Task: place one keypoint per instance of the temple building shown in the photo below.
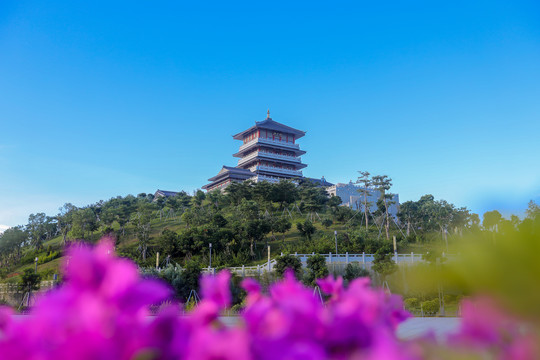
(268, 152)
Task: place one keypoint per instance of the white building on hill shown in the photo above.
(352, 198)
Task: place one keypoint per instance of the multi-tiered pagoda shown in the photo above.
(269, 152)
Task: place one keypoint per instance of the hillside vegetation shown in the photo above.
(239, 223)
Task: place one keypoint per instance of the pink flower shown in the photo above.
(331, 286)
(486, 327)
(99, 312)
(217, 288)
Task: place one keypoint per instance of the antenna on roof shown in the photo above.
(268, 114)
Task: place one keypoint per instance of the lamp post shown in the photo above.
(210, 266)
(335, 238)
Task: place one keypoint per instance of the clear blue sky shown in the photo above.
(104, 98)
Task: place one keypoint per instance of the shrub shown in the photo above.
(49, 257)
(449, 298)
(28, 257)
(411, 304)
(354, 270)
(317, 269)
(327, 223)
(29, 280)
(431, 307)
(285, 262)
(47, 274)
(307, 229)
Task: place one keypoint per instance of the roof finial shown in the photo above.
(268, 114)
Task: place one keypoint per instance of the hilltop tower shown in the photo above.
(269, 152)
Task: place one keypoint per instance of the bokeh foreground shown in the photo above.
(102, 312)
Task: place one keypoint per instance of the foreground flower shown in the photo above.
(292, 323)
(487, 329)
(101, 312)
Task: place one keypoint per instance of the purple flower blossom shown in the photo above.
(217, 288)
(101, 312)
(487, 328)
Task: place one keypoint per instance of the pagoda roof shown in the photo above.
(165, 193)
(255, 144)
(227, 171)
(296, 164)
(270, 124)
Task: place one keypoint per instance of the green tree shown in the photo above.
(36, 229)
(65, 219)
(383, 183)
(491, 220)
(533, 210)
(254, 227)
(307, 229)
(316, 265)
(354, 270)
(285, 262)
(312, 197)
(190, 277)
(280, 225)
(198, 198)
(334, 202)
(409, 214)
(142, 221)
(183, 281)
(13, 240)
(327, 223)
(365, 190)
(284, 193)
(433, 256)
(238, 191)
(383, 263)
(168, 242)
(262, 193)
(84, 222)
(30, 281)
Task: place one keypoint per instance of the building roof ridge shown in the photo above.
(271, 124)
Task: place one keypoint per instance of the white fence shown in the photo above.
(361, 258)
(334, 261)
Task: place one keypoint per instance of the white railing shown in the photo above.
(247, 270)
(270, 179)
(269, 155)
(366, 260)
(282, 157)
(362, 258)
(278, 170)
(269, 141)
(247, 158)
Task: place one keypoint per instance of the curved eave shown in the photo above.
(277, 161)
(278, 174)
(240, 175)
(270, 124)
(256, 144)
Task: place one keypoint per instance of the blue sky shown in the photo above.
(102, 98)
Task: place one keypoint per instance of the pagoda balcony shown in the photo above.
(270, 179)
(278, 170)
(269, 142)
(250, 157)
